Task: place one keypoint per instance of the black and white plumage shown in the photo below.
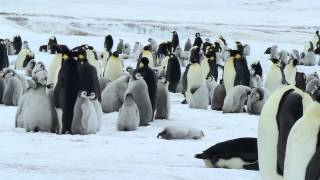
(175, 41)
(66, 90)
(129, 117)
(163, 99)
(17, 44)
(275, 77)
(108, 43)
(256, 75)
(300, 81)
(197, 41)
(23, 58)
(87, 114)
(241, 153)
(173, 73)
(180, 132)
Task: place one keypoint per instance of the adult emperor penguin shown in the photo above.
(85, 120)
(197, 41)
(92, 59)
(304, 137)
(139, 90)
(281, 111)
(35, 110)
(241, 153)
(175, 40)
(108, 43)
(4, 60)
(113, 69)
(193, 72)
(290, 71)
(52, 45)
(173, 73)
(209, 65)
(17, 43)
(66, 90)
(146, 52)
(275, 77)
(23, 58)
(129, 117)
(89, 81)
(55, 66)
(150, 77)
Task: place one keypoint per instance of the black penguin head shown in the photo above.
(149, 40)
(197, 34)
(80, 54)
(275, 60)
(115, 54)
(147, 48)
(317, 32)
(221, 82)
(234, 53)
(174, 32)
(144, 61)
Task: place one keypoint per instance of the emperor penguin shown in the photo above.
(194, 75)
(139, 89)
(173, 73)
(312, 85)
(35, 110)
(55, 67)
(240, 153)
(218, 97)
(290, 71)
(126, 49)
(108, 43)
(137, 47)
(256, 100)
(180, 132)
(147, 53)
(85, 120)
(65, 92)
(2, 85)
(39, 66)
(23, 58)
(91, 56)
(9, 46)
(112, 97)
(129, 117)
(300, 81)
(284, 57)
(150, 78)
(17, 43)
(13, 90)
(199, 97)
(280, 112)
(209, 64)
(275, 77)
(113, 69)
(4, 60)
(235, 99)
(197, 41)
(52, 45)
(187, 45)
(309, 59)
(302, 154)
(29, 68)
(120, 46)
(256, 75)
(175, 41)
(163, 99)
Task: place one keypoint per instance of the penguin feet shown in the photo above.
(184, 102)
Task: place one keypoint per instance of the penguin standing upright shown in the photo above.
(113, 69)
(205, 45)
(194, 72)
(54, 67)
(120, 46)
(275, 77)
(242, 72)
(17, 43)
(175, 41)
(197, 40)
(66, 90)
(52, 45)
(173, 73)
(279, 114)
(290, 71)
(151, 80)
(208, 64)
(187, 45)
(4, 61)
(108, 43)
(89, 80)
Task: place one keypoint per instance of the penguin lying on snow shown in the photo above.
(129, 117)
(87, 114)
(234, 101)
(178, 132)
(241, 153)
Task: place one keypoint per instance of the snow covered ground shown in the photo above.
(140, 155)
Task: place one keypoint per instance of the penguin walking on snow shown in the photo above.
(175, 41)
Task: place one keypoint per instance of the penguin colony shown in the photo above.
(71, 96)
